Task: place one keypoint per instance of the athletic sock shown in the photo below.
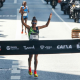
(30, 69)
(35, 72)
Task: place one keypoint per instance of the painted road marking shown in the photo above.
(15, 62)
(43, 1)
(15, 66)
(15, 77)
(61, 19)
(15, 1)
(15, 71)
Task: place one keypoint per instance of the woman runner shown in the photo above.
(33, 33)
(25, 15)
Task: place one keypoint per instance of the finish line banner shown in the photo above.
(39, 47)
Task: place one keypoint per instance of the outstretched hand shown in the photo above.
(50, 15)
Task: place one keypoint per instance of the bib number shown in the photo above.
(34, 37)
(25, 14)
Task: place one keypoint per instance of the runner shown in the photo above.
(33, 33)
(25, 16)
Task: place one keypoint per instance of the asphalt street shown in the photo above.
(50, 66)
(10, 18)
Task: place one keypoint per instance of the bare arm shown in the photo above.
(27, 26)
(46, 25)
(28, 10)
(20, 10)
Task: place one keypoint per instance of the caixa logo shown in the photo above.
(64, 46)
(78, 46)
(0, 48)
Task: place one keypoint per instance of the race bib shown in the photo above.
(34, 37)
(25, 14)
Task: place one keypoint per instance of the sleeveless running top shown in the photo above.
(25, 10)
(33, 34)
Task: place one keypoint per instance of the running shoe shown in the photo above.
(22, 32)
(30, 72)
(35, 74)
(25, 33)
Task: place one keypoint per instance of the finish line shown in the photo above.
(39, 47)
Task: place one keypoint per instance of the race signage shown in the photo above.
(39, 47)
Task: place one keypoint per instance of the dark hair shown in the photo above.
(24, 3)
(34, 19)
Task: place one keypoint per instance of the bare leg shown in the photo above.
(22, 27)
(25, 27)
(35, 61)
(29, 60)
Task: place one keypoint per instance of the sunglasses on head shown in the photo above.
(33, 23)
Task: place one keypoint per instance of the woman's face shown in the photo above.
(25, 3)
(34, 23)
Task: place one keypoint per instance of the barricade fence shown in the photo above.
(39, 47)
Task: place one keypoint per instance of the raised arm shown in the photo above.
(46, 25)
(27, 26)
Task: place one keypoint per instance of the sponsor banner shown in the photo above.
(39, 47)
(0, 48)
